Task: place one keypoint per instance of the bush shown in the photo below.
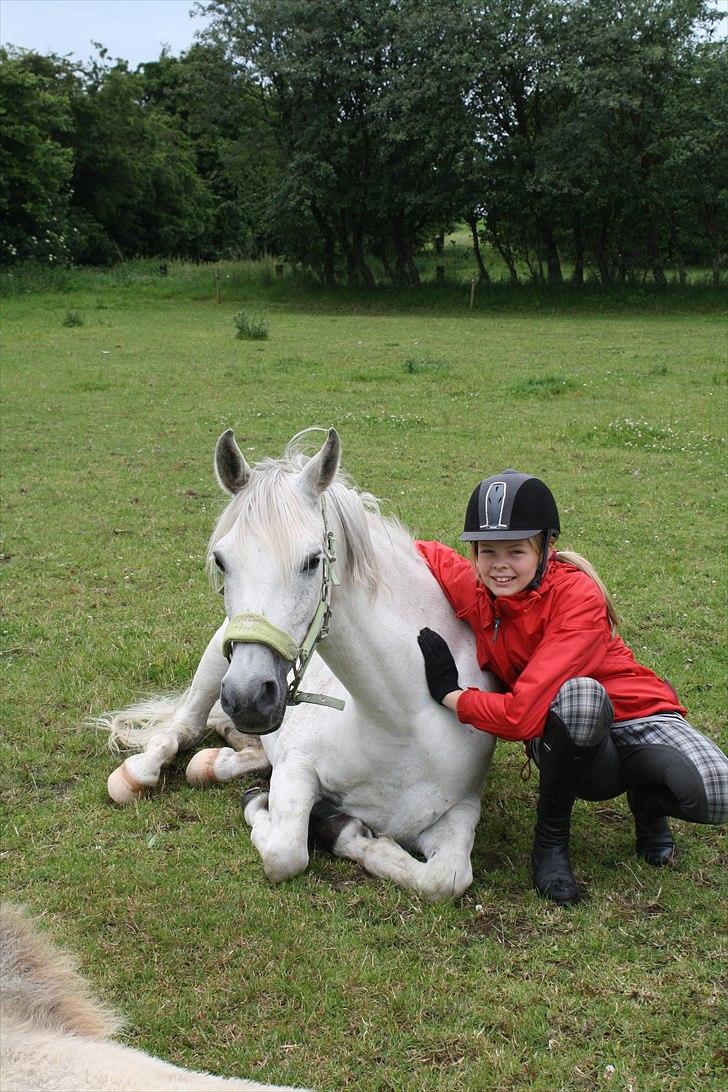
(250, 326)
(417, 365)
(544, 386)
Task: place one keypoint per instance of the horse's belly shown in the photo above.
(400, 811)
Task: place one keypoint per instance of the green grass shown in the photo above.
(337, 980)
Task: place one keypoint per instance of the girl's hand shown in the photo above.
(440, 669)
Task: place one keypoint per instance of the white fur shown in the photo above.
(394, 759)
(56, 1036)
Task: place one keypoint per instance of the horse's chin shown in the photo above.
(254, 728)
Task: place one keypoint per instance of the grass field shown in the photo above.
(336, 980)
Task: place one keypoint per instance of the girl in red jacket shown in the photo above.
(596, 722)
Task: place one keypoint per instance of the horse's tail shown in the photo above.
(129, 729)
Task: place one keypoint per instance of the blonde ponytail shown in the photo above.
(585, 566)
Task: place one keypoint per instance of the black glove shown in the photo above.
(440, 669)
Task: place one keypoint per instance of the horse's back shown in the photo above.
(54, 1034)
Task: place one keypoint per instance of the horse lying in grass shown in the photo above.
(54, 1034)
(393, 781)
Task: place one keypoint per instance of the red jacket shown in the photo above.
(534, 641)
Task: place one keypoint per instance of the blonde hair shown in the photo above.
(579, 562)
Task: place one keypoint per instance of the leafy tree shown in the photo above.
(136, 187)
(220, 110)
(366, 102)
(35, 166)
(572, 103)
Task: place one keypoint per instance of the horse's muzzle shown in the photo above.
(253, 691)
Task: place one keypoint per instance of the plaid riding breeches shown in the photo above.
(663, 749)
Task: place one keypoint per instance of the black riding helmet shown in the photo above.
(511, 506)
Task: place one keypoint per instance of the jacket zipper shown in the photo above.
(496, 626)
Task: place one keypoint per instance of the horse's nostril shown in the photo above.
(227, 705)
(267, 696)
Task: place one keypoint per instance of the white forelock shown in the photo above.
(274, 510)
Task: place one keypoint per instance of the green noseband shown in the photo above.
(255, 629)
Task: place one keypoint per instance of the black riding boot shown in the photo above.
(654, 840)
(563, 767)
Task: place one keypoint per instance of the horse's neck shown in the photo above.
(372, 644)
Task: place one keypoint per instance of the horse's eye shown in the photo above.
(218, 561)
(311, 563)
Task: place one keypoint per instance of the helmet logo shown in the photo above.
(495, 499)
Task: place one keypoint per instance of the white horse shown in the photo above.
(394, 781)
(54, 1034)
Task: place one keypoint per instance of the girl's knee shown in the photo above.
(700, 782)
(583, 706)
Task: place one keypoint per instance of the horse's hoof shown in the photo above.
(250, 794)
(201, 768)
(252, 801)
(123, 787)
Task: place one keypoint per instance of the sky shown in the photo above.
(135, 30)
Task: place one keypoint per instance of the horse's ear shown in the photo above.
(231, 470)
(320, 471)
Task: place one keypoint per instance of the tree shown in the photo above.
(35, 166)
(366, 102)
(221, 111)
(135, 181)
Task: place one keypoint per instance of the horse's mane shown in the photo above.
(269, 506)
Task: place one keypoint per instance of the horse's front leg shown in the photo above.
(446, 845)
(179, 728)
(279, 819)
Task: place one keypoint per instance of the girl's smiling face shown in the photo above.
(507, 567)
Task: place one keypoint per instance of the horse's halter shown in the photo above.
(252, 628)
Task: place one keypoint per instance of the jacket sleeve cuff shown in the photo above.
(469, 709)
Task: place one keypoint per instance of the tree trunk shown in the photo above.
(578, 274)
(505, 252)
(361, 262)
(381, 253)
(600, 252)
(551, 254)
(352, 271)
(405, 266)
(328, 245)
(483, 273)
(656, 264)
(412, 270)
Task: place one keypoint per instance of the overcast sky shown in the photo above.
(133, 29)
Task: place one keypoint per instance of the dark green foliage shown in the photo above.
(577, 139)
(35, 166)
